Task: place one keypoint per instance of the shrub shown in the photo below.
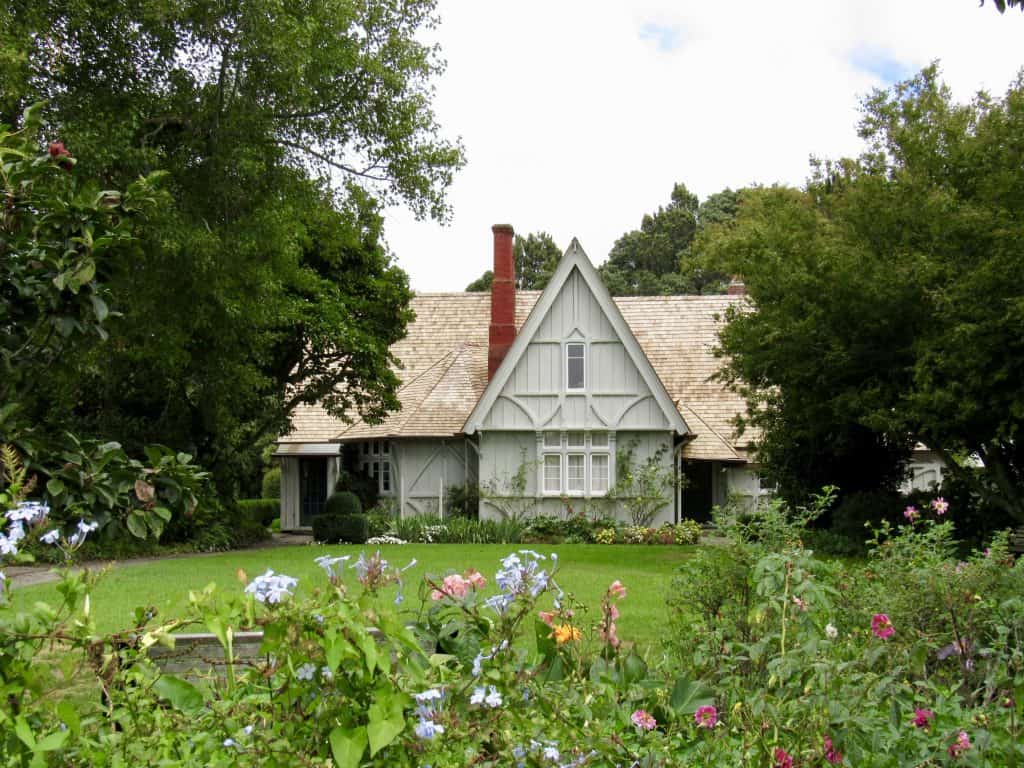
(856, 512)
(330, 529)
(263, 511)
(428, 529)
(687, 532)
(464, 500)
(271, 485)
(606, 536)
(341, 503)
(361, 484)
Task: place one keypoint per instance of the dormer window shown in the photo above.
(575, 366)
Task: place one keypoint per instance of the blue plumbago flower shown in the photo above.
(500, 602)
(429, 695)
(551, 753)
(229, 742)
(488, 696)
(8, 544)
(428, 729)
(520, 574)
(327, 563)
(518, 752)
(51, 537)
(30, 512)
(478, 662)
(3, 579)
(271, 587)
(247, 729)
(326, 674)
(305, 672)
(84, 529)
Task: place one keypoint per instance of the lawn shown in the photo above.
(585, 571)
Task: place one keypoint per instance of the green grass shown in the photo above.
(585, 571)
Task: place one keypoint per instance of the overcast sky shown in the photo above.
(578, 117)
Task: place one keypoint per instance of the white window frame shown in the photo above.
(587, 451)
(375, 459)
(583, 358)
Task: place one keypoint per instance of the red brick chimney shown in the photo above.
(737, 287)
(503, 299)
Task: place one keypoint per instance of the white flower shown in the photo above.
(831, 632)
(427, 729)
(305, 672)
(327, 563)
(51, 537)
(271, 587)
(326, 674)
(493, 698)
(30, 512)
(478, 695)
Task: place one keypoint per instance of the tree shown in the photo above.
(536, 257)
(1002, 4)
(887, 294)
(655, 258)
(264, 283)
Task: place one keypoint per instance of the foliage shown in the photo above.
(536, 257)
(263, 283)
(329, 528)
(655, 259)
(1001, 5)
(463, 500)
(646, 488)
(884, 314)
(361, 484)
(270, 487)
(458, 530)
(341, 503)
(263, 511)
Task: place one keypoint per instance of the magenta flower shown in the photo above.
(962, 744)
(643, 720)
(911, 513)
(617, 590)
(882, 627)
(940, 505)
(923, 718)
(58, 150)
(706, 716)
(782, 758)
(832, 755)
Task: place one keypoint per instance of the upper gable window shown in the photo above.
(575, 366)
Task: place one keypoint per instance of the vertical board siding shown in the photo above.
(289, 493)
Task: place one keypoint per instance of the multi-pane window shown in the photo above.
(575, 366)
(552, 473)
(576, 463)
(375, 462)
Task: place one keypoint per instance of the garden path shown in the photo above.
(28, 575)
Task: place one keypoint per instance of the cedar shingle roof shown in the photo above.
(444, 369)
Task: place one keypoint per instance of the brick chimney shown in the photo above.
(737, 287)
(503, 299)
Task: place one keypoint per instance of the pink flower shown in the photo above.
(608, 634)
(706, 716)
(613, 612)
(453, 586)
(475, 578)
(782, 758)
(617, 590)
(831, 753)
(940, 505)
(801, 604)
(643, 720)
(923, 717)
(910, 513)
(548, 617)
(882, 627)
(58, 150)
(962, 744)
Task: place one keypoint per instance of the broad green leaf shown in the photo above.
(387, 720)
(347, 746)
(69, 715)
(54, 487)
(52, 741)
(688, 694)
(137, 525)
(180, 693)
(24, 732)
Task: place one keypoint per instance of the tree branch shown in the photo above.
(331, 162)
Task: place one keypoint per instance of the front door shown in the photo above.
(312, 489)
(698, 494)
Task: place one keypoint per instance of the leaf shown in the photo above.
(163, 513)
(24, 732)
(52, 742)
(180, 693)
(54, 487)
(69, 715)
(387, 720)
(347, 746)
(688, 694)
(137, 525)
(99, 306)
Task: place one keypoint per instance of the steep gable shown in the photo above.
(620, 389)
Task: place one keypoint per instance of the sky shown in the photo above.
(578, 117)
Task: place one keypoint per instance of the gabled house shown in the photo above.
(532, 395)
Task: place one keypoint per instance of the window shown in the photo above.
(375, 463)
(552, 473)
(599, 473)
(576, 473)
(575, 367)
(582, 465)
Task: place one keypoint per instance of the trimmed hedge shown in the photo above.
(331, 529)
(263, 511)
(342, 503)
(271, 486)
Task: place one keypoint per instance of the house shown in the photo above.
(535, 396)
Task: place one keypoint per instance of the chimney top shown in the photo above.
(737, 287)
(502, 228)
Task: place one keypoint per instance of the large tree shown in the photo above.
(265, 284)
(887, 296)
(536, 257)
(655, 259)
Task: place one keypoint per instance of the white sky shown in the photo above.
(577, 117)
